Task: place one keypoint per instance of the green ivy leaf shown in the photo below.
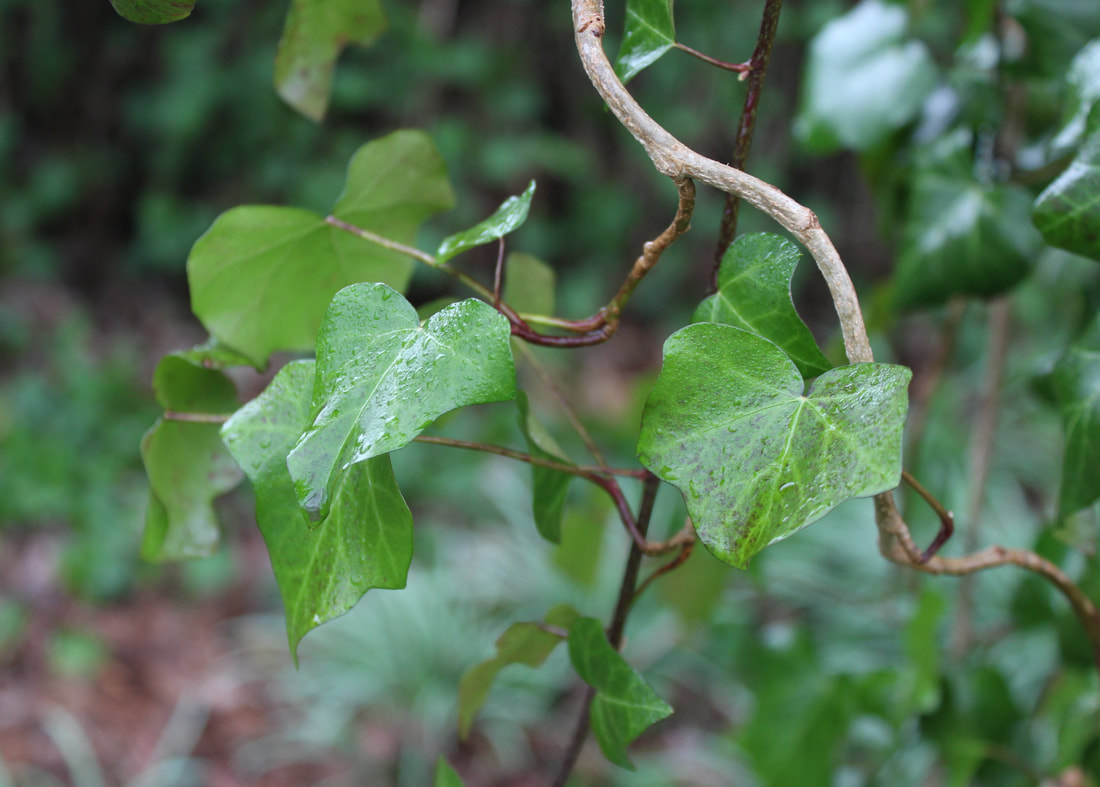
(962, 237)
(549, 487)
(262, 276)
(649, 33)
(529, 285)
(1082, 94)
(153, 12)
(625, 706)
(316, 32)
(382, 378)
(522, 643)
(365, 542)
(756, 459)
(508, 217)
(445, 775)
(865, 78)
(754, 293)
(1076, 380)
(1067, 213)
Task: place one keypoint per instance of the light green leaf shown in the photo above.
(529, 285)
(508, 217)
(153, 12)
(1077, 384)
(865, 78)
(262, 276)
(754, 293)
(1082, 94)
(1067, 213)
(382, 378)
(755, 457)
(316, 32)
(625, 706)
(522, 643)
(445, 775)
(366, 540)
(549, 486)
(649, 33)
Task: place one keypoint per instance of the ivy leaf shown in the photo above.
(755, 457)
(550, 486)
(1067, 213)
(865, 78)
(365, 542)
(649, 33)
(382, 378)
(754, 293)
(316, 32)
(522, 643)
(153, 12)
(186, 462)
(962, 237)
(625, 706)
(1082, 94)
(445, 775)
(508, 217)
(529, 286)
(262, 276)
(1076, 380)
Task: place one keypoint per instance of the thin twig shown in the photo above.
(758, 69)
(498, 276)
(670, 566)
(197, 418)
(562, 467)
(740, 68)
(947, 519)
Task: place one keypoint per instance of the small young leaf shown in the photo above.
(649, 33)
(864, 79)
(756, 458)
(754, 293)
(1077, 383)
(508, 217)
(445, 775)
(625, 706)
(262, 276)
(153, 12)
(522, 643)
(316, 32)
(1067, 213)
(550, 486)
(382, 378)
(365, 541)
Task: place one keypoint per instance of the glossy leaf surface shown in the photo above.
(508, 217)
(865, 78)
(625, 706)
(649, 32)
(262, 276)
(549, 486)
(382, 378)
(1077, 384)
(754, 293)
(756, 458)
(1067, 213)
(153, 12)
(365, 541)
(316, 32)
(522, 643)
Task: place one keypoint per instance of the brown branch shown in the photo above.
(670, 566)
(740, 68)
(947, 519)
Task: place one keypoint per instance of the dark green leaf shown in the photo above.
(382, 378)
(1082, 94)
(728, 424)
(649, 33)
(183, 386)
(316, 32)
(508, 217)
(1067, 213)
(365, 541)
(923, 648)
(865, 78)
(523, 643)
(153, 12)
(1077, 383)
(445, 775)
(261, 277)
(549, 486)
(625, 706)
(754, 293)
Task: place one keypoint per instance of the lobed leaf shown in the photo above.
(1076, 380)
(382, 378)
(508, 217)
(756, 458)
(754, 293)
(625, 706)
(1067, 213)
(364, 542)
(153, 12)
(315, 33)
(648, 33)
(549, 486)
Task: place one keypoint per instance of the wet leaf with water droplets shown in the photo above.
(649, 32)
(507, 218)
